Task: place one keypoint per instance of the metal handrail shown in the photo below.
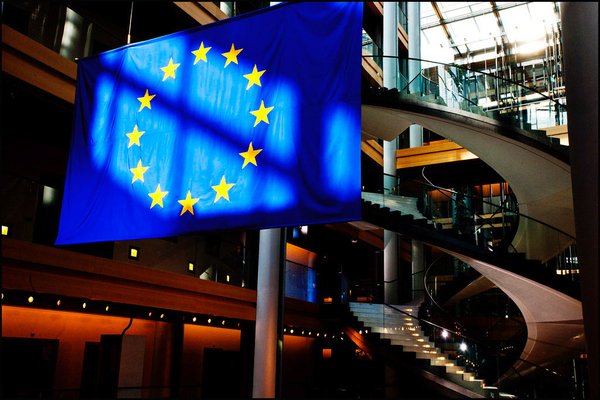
(479, 72)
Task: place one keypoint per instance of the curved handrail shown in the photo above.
(467, 336)
(500, 206)
(497, 226)
(477, 71)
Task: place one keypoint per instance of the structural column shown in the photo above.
(390, 73)
(413, 9)
(268, 342)
(580, 41)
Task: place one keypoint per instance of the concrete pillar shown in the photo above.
(390, 73)
(390, 44)
(413, 11)
(580, 41)
(268, 305)
(390, 267)
(418, 269)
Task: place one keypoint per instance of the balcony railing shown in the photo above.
(478, 92)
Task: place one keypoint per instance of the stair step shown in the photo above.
(403, 330)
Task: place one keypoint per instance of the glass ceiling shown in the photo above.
(464, 31)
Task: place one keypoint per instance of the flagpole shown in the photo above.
(129, 28)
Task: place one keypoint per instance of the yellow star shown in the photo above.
(261, 113)
(138, 172)
(188, 204)
(169, 70)
(201, 53)
(134, 136)
(222, 189)
(145, 100)
(250, 155)
(157, 197)
(231, 55)
(254, 77)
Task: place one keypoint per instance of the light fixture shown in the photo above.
(223, 322)
(463, 346)
(58, 302)
(194, 319)
(227, 278)
(191, 267)
(107, 308)
(291, 331)
(150, 314)
(30, 299)
(5, 230)
(445, 334)
(162, 316)
(134, 252)
(209, 320)
(84, 305)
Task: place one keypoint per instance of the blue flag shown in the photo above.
(251, 122)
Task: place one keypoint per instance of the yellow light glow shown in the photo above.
(209, 320)
(227, 278)
(58, 302)
(162, 316)
(84, 305)
(107, 308)
(194, 319)
(133, 252)
(191, 267)
(4, 230)
(30, 299)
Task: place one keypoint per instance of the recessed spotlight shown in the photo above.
(134, 252)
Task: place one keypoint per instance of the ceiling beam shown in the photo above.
(471, 15)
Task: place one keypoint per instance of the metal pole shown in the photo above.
(129, 28)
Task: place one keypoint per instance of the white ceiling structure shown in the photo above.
(455, 30)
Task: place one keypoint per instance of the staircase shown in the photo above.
(405, 204)
(402, 331)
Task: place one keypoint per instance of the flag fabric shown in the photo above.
(250, 122)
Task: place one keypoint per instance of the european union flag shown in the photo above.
(251, 122)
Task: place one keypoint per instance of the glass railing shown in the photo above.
(482, 346)
(489, 319)
(300, 282)
(479, 92)
(371, 50)
(521, 243)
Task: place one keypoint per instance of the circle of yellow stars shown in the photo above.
(249, 156)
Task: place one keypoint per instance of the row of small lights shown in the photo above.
(94, 306)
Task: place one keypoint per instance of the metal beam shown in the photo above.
(443, 21)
